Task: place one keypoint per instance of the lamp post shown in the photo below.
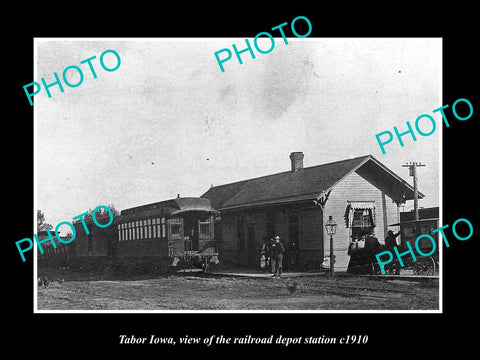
(331, 227)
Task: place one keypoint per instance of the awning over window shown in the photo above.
(362, 205)
(359, 205)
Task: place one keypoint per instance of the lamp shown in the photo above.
(331, 228)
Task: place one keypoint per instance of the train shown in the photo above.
(173, 234)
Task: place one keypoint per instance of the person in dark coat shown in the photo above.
(355, 256)
(277, 257)
(372, 247)
(359, 263)
(271, 247)
(390, 243)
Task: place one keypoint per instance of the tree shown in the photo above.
(102, 213)
(41, 224)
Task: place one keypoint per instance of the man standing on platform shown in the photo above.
(277, 257)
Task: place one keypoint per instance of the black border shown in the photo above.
(388, 333)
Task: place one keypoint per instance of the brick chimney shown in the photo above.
(296, 158)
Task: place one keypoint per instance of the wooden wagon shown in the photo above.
(420, 265)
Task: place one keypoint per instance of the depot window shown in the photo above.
(360, 217)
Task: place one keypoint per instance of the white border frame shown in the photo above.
(35, 263)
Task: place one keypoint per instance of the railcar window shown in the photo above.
(159, 230)
(163, 227)
(427, 228)
(175, 226)
(175, 229)
(409, 231)
(204, 228)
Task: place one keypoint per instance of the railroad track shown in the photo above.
(349, 291)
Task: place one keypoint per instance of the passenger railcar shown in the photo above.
(177, 232)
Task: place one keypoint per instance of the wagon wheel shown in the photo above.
(376, 269)
(391, 269)
(424, 266)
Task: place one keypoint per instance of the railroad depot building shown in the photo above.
(359, 193)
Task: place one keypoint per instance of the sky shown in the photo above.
(169, 122)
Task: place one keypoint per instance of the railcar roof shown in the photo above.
(172, 207)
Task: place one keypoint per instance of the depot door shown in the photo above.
(241, 243)
(250, 251)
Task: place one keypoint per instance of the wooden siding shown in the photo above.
(355, 188)
(142, 247)
(311, 230)
(101, 245)
(229, 233)
(310, 233)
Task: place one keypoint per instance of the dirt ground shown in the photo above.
(210, 292)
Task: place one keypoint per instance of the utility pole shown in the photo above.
(413, 172)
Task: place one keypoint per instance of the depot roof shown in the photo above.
(307, 183)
